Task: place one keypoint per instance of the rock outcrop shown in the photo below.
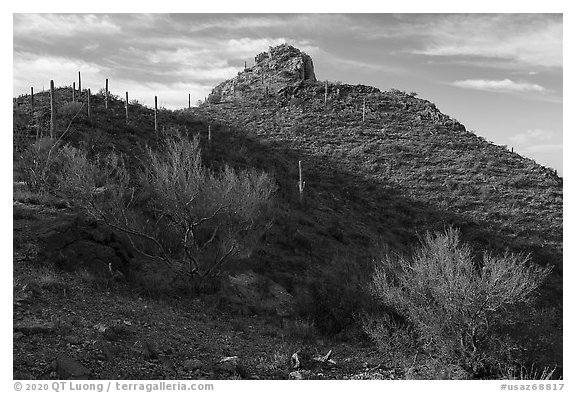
(277, 68)
(74, 244)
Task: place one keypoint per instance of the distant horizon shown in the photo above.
(498, 74)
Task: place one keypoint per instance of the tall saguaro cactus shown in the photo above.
(52, 109)
(88, 103)
(156, 115)
(106, 97)
(79, 83)
(126, 107)
(73, 91)
(32, 98)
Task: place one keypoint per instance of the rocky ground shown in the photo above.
(68, 324)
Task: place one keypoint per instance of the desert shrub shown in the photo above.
(179, 212)
(530, 373)
(242, 86)
(70, 110)
(79, 178)
(37, 164)
(64, 171)
(455, 305)
(520, 181)
(392, 335)
(296, 101)
(214, 98)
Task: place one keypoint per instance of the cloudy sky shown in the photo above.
(498, 74)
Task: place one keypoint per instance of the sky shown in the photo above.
(501, 75)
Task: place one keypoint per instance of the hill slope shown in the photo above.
(381, 168)
(404, 168)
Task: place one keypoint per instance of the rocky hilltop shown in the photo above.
(400, 145)
(277, 68)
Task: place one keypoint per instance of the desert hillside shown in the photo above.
(356, 174)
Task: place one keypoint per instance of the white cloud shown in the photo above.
(532, 135)
(357, 64)
(69, 25)
(249, 46)
(31, 71)
(500, 86)
(526, 39)
(543, 148)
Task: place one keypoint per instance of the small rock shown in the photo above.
(296, 375)
(108, 351)
(69, 368)
(166, 362)
(149, 351)
(34, 327)
(231, 365)
(228, 364)
(295, 360)
(192, 365)
(114, 333)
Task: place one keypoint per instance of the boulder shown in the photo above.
(231, 365)
(75, 243)
(34, 326)
(192, 365)
(69, 368)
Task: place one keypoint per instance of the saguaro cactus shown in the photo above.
(363, 109)
(79, 83)
(106, 97)
(32, 98)
(126, 107)
(326, 93)
(51, 109)
(88, 103)
(156, 114)
(301, 184)
(73, 91)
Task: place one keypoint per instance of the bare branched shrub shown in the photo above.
(70, 110)
(81, 179)
(183, 214)
(454, 304)
(36, 164)
(39, 162)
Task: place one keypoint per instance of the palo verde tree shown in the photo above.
(452, 303)
(175, 210)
